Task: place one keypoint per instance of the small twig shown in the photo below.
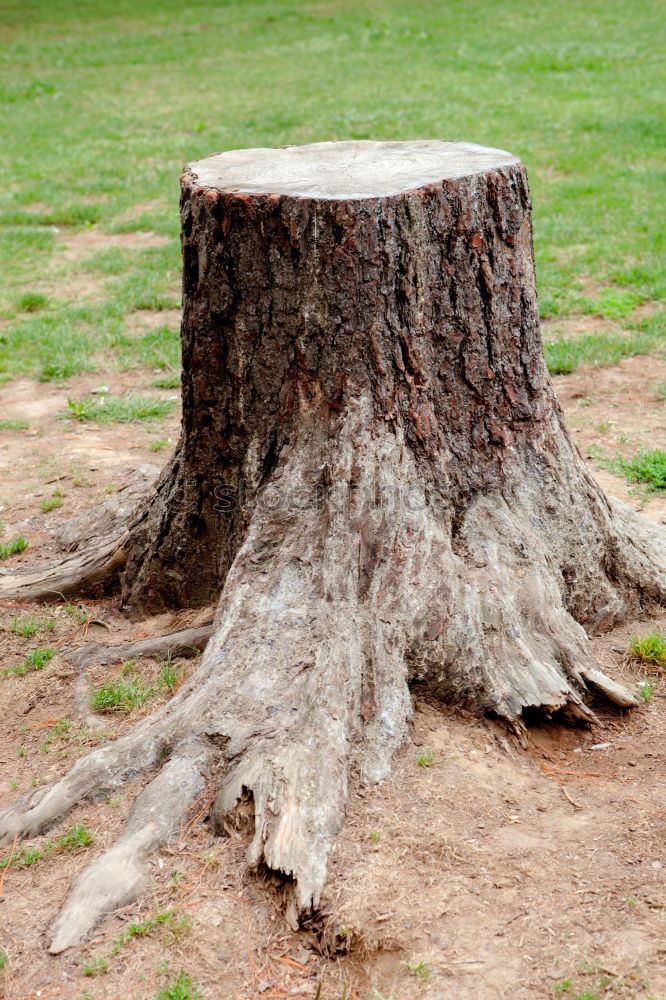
(576, 805)
(288, 961)
(86, 625)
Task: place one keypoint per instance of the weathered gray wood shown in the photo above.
(95, 566)
(187, 642)
(375, 476)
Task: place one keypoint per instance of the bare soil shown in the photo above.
(77, 245)
(487, 870)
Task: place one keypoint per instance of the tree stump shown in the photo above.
(375, 476)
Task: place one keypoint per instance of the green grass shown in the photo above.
(36, 660)
(4, 959)
(649, 649)
(96, 966)
(182, 987)
(32, 302)
(29, 625)
(420, 969)
(564, 355)
(169, 674)
(104, 101)
(121, 696)
(426, 758)
(159, 445)
(110, 410)
(16, 545)
(646, 689)
(647, 468)
(77, 839)
(52, 502)
(14, 425)
(172, 923)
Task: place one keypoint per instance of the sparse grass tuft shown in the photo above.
(14, 425)
(16, 545)
(565, 354)
(36, 660)
(183, 987)
(172, 923)
(646, 690)
(646, 467)
(421, 969)
(52, 502)
(76, 613)
(77, 839)
(649, 649)
(97, 966)
(62, 728)
(4, 959)
(426, 758)
(169, 382)
(32, 302)
(159, 445)
(29, 625)
(169, 674)
(121, 696)
(110, 410)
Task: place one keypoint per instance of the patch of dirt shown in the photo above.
(83, 460)
(579, 325)
(576, 326)
(75, 245)
(79, 287)
(647, 309)
(151, 319)
(613, 411)
(549, 174)
(495, 871)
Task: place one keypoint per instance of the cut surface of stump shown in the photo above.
(374, 476)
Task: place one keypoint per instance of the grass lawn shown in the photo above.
(104, 101)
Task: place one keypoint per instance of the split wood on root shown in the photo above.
(374, 476)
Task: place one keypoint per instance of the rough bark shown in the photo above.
(374, 473)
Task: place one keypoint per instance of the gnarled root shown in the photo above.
(327, 614)
(97, 541)
(95, 566)
(117, 876)
(185, 642)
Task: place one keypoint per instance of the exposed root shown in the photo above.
(117, 876)
(97, 541)
(326, 614)
(186, 642)
(104, 768)
(97, 566)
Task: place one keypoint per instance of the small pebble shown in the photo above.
(631, 763)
